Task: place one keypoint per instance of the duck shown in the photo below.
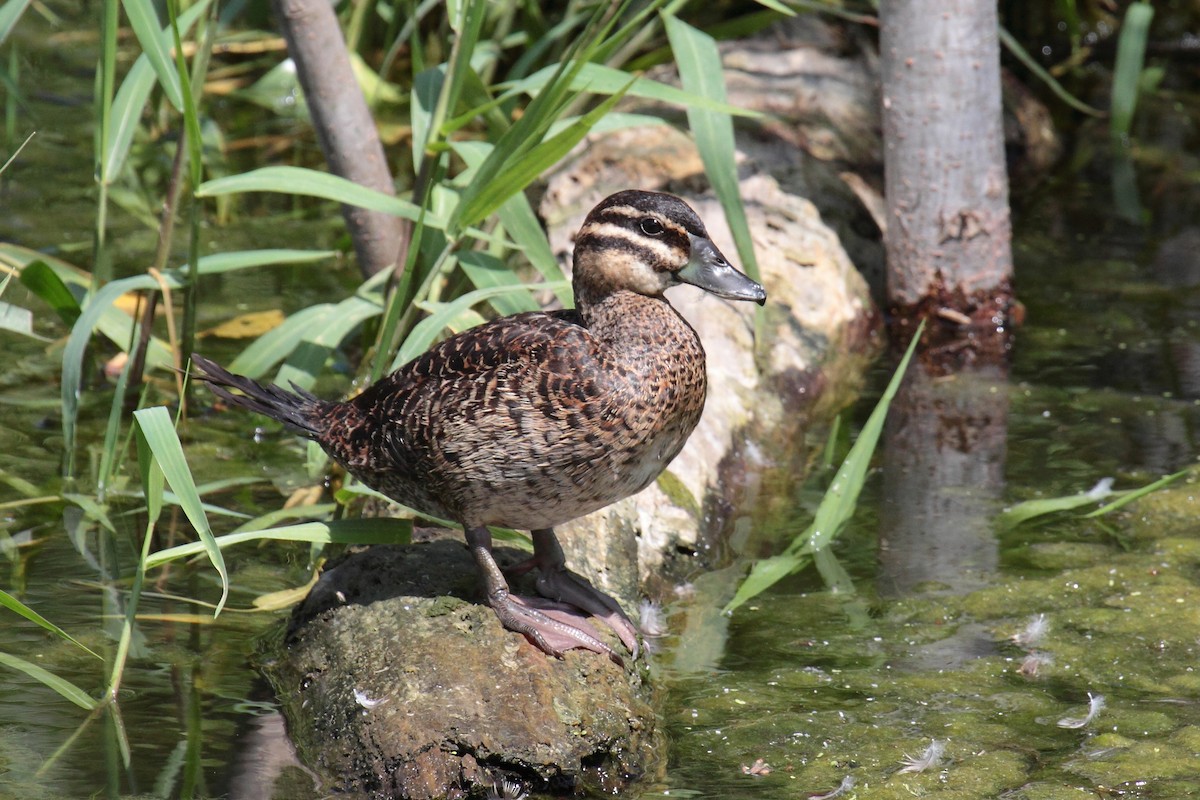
(531, 420)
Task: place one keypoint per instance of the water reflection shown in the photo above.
(943, 477)
(944, 452)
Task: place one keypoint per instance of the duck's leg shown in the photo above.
(557, 582)
(553, 627)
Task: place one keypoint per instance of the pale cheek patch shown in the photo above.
(628, 271)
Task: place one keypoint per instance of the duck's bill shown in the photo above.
(710, 271)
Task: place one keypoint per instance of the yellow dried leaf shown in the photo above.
(305, 496)
(286, 597)
(246, 326)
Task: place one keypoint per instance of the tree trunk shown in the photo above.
(344, 125)
(948, 233)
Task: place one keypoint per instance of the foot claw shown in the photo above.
(565, 586)
(552, 627)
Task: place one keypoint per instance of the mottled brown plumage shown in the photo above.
(538, 418)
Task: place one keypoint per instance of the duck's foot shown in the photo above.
(558, 583)
(553, 627)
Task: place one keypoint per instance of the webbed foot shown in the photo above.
(560, 584)
(553, 627)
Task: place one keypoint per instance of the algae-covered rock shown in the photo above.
(394, 688)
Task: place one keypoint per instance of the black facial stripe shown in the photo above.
(629, 217)
(595, 240)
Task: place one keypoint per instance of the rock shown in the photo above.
(396, 683)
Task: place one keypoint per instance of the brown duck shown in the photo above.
(537, 418)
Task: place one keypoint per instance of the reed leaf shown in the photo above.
(701, 73)
(521, 224)
(278, 343)
(157, 51)
(1013, 46)
(1127, 74)
(600, 79)
(1045, 506)
(61, 685)
(163, 442)
(1136, 494)
(39, 278)
(219, 263)
(14, 318)
(10, 12)
(312, 183)
(343, 531)
(836, 507)
(340, 320)
(524, 169)
(16, 606)
(486, 271)
(131, 97)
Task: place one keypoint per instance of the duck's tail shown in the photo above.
(300, 411)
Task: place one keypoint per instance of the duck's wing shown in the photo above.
(473, 396)
(528, 340)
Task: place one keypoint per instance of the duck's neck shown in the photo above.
(612, 314)
(636, 325)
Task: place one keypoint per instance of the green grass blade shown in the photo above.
(41, 279)
(518, 219)
(271, 519)
(10, 12)
(477, 204)
(311, 183)
(15, 605)
(427, 88)
(600, 79)
(345, 531)
(1043, 506)
(92, 509)
(512, 145)
(486, 271)
(147, 29)
(278, 343)
(218, 263)
(17, 320)
(131, 97)
(164, 443)
(152, 478)
(837, 507)
(701, 73)
(112, 431)
(18, 257)
(308, 358)
(1127, 74)
(61, 685)
(72, 372)
(127, 108)
(838, 504)
(1013, 46)
(1135, 494)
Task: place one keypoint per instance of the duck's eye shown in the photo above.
(651, 227)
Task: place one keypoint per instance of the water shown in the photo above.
(1104, 382)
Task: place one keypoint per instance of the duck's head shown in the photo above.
(646, 242)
